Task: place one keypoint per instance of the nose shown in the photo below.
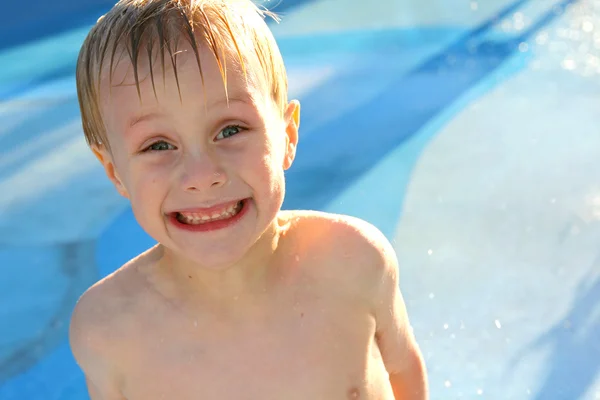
(201, 172)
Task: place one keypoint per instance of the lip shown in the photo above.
(213, 225)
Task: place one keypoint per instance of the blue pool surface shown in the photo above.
(465, 131)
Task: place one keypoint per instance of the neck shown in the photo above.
(248, 277)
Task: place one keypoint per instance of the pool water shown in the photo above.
(466, 131)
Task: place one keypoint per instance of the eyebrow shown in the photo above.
(149, 116)
(245, 99)
(143, 118)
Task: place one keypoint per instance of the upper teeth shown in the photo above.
(196, 218)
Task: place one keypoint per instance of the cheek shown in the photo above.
(258, 157)
(276, 147)
(260, 168)
(144, 180)
(273, 173)
(272, 161)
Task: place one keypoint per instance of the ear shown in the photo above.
(292, 120)
(105, 158)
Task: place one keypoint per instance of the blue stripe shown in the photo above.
(22, 22)
(328, 161)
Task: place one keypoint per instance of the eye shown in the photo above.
(161, 145)
(229, 131)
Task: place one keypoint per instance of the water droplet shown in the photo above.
(480, 391)
(498, 325)
(430, 252)
(569, 64)
(445, 326)
(431, 295)
(542, 38)
(519, 24)
(297, 257)
(523, 47)
(447, 384)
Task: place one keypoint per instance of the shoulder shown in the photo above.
(95, 314)
(353, 234)
(355, 245)
(101, 318)
(91, 328)
(98, 306)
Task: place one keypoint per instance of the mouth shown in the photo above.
(204, 217)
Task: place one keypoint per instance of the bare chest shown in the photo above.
(326, 353)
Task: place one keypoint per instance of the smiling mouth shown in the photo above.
(199, 218)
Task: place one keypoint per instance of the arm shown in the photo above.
(377, 281)
(106, 393)
(400, 352)
(90, 350)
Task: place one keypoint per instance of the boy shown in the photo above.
(184, 102)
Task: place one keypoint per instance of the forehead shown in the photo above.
(181, 71)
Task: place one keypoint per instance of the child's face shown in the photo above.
(174, 159)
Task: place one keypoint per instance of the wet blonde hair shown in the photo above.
(151, 30)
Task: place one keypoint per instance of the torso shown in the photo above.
(312, 338)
